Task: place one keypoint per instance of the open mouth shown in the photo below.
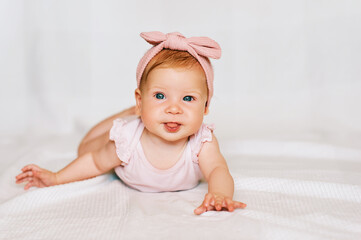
(172, 126)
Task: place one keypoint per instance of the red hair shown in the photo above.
(170, 58)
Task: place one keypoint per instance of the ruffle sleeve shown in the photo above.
(123, 133)
(203, 135)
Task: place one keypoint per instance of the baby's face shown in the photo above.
(172, 102)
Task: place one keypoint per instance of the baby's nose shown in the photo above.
(174, 108)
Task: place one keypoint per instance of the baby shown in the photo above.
(166, 147)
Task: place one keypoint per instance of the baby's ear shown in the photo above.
(138, 101)
(206, 110)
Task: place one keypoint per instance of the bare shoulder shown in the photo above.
(210, 148)
(211, 157)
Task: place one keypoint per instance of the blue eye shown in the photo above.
(188, 98)
(159, 96)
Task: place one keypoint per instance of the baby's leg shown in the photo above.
(95, 138)
(93, 144)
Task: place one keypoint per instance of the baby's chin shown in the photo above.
(179, 136)
(175, 137)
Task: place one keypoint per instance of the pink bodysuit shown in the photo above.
(137, 172)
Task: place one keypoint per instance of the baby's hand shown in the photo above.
(218, 202)
(36, 176)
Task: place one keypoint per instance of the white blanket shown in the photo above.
(294, 190)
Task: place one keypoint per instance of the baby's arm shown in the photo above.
(220, 181)
(86, 166)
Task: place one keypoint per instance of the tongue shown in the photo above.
(172, 125)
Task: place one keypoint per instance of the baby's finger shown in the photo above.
(229, 204)
(30, 167)
(201, 209)
(208, 199)
(27, 179)
(210, 208)
(29, 185)
(239, 204)
(24, 174)
(218, 204)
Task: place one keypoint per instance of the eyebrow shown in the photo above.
(187, 92)
(192, 92)
(157, 87)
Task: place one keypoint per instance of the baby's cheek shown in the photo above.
(146, 118)
(197, 121)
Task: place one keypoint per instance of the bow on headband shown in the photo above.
(203, 46)
(199, 47)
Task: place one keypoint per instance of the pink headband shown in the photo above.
(198, 47)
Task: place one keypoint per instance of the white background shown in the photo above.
(289, 69)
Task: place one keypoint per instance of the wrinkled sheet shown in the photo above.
(294, 190)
